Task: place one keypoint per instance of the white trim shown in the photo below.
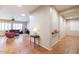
(57, 42)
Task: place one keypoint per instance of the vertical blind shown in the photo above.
(7, 26)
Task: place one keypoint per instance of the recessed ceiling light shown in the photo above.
(19, 5)
(70, 17)
(23, 15)
(51, 10)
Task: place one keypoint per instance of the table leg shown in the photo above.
(30, 40)
(34, 41)
(38, 41)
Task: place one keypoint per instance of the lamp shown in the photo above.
(35, 31)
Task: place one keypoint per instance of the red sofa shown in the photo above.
(10, 34)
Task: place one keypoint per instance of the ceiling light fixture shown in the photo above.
(23, 15)
(19, 5)
(70, 17)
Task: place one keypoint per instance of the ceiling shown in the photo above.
(16, 11)
(68, 11)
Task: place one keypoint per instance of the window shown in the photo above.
(8, 26)
(74, 25)
(0, 26)
(17, 26)
(5, 26)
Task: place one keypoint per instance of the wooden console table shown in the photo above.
(36, 37)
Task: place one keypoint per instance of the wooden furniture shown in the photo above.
(16, 32)
(36, 37)
(10, 37)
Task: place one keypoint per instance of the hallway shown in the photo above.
(68, 45)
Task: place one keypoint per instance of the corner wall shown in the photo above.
(62, 28)
(40, 19)
(46, 19)
(57, 23)
(54, 26)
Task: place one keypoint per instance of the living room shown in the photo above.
(13, 25)
(12, 19)
(50, 29)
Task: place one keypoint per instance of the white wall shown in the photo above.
(41, 19)
(62, 27)
(73, 31)
(47, 19)
(54, 26)
(57, 23)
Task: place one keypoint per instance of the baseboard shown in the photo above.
(49, 49)
(45, 47)
(57, 42)
(73, 35)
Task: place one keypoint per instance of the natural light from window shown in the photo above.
(7, 26)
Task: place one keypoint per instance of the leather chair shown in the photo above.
(10, 34)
